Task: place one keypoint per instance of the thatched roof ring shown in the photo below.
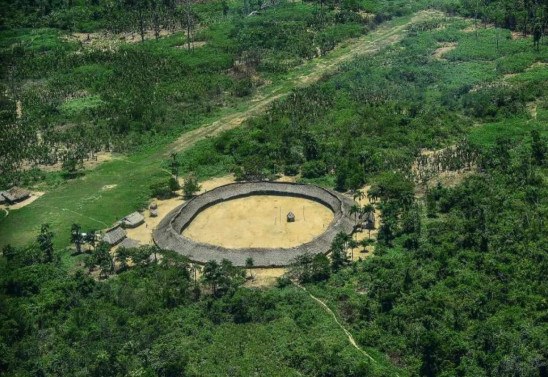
(168, 233)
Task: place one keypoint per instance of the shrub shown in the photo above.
(313, 169)
(243, 87)
(161, 190)
(291, 170)
(191, 186)
(173, 184)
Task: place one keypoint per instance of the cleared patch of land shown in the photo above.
(443, 49)
(92, 207)
(88, 164)
(143, 233)
(429, 173)
(110, 41)
(260, 221)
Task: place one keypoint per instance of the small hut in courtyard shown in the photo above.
(290, 217)
(133, 220)
(14, 195)
(153, 209)
(115, 235)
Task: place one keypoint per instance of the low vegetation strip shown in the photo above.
(168, 234)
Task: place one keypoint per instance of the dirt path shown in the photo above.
(330, 312)
(88, 217)
(382, 37)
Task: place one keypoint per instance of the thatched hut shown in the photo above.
(129, 243)
(290, 217)
(153, 209)
(133, 220)
(115, 235)
(14, 195)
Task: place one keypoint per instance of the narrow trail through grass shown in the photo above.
(332, 314)
(131, 176)
(349, 336)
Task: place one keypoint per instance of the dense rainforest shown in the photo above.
(456, 285)
(466, 298)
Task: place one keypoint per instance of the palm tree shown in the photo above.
(374, 193)
(194, 268)
(174, 165)
(212, 275)
(76, 237)
(359, 195)
(364, 243)
(338, 250)
(45, 241)
(366, 209)
(122, 256)
(354, 210)
(101, 257)
(352, 244)
(91, 238)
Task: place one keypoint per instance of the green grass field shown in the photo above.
(86, 201)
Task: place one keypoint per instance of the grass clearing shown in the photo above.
(515, 129)
(76, 106)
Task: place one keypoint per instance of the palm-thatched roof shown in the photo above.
(15, 194)
(167, 234)
(129, 243)
(114, 236)
(133, 220)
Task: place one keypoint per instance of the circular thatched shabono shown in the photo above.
(168, 234)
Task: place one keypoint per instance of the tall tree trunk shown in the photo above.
(476, 18)
(142, 26)
(188, 24)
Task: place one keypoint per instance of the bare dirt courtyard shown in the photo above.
(260, 221)
(261, 277)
